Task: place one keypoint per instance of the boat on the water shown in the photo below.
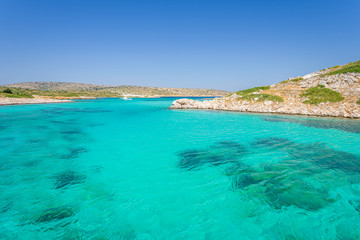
(126, 98)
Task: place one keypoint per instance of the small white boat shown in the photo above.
(126, 98)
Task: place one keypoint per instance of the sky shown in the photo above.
(217, 44)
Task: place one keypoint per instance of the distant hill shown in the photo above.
(74, 90)
(57, 86)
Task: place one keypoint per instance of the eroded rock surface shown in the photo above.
(291, 91)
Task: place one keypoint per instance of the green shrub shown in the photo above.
(248, 94)
(348, 68)
(19, 95)
(321, 94)
(7, 91)
(297, 79)
(358, 102)
(262, 97)
(251, 90)
(293, 80)
(15, 93)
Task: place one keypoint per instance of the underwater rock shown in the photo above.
(58, 122)
(220, 153)
(296, 193)
(43, 127)
(77, 150)
(6, 139)
(190, 159)
(251, 176)
(215, 159)
(348, 229)
(74, 152)
(68, 178)
(225, 152)
(286, 193)
(5, 208)
(55, 214)
(344, 125)
(69, 156)
(325, 157)
(97, 168)
(244, 180)
(281, 185)
(316, 153)
(60, 110)
(340, 124)
(35, 141)
(279, 119)
(31, 163)
(273, 142)
(355, 204)
(231, 145)
(71, 132)
(95, 124)
(94, 110)
(234, 169)
(332, 159)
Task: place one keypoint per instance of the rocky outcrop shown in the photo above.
(348, 110)
(291, 91)
(340, 82)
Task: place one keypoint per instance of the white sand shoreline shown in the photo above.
(41, 100)
(26, 101)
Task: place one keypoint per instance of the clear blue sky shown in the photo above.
(218, 44)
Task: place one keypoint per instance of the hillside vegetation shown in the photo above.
(14, 93)
(251, 94)
(353, 67)
(321, 94)
(57, 86)
(77, 90)
(334, 84)
(252, 90)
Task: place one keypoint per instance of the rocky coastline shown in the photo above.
(291, 93)
(346, 110)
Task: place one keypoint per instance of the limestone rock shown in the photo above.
(347, 84)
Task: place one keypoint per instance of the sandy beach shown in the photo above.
(20, 101)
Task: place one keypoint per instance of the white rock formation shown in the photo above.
(347, 84)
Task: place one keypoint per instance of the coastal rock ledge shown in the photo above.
(347, 110)
(323, 93)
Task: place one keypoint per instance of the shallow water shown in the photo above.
(114, 169)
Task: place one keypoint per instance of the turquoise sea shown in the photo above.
(115, 169)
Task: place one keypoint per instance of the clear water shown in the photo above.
(114, 169)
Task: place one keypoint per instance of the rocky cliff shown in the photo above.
(331, 92)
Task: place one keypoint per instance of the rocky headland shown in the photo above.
(332, 92)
